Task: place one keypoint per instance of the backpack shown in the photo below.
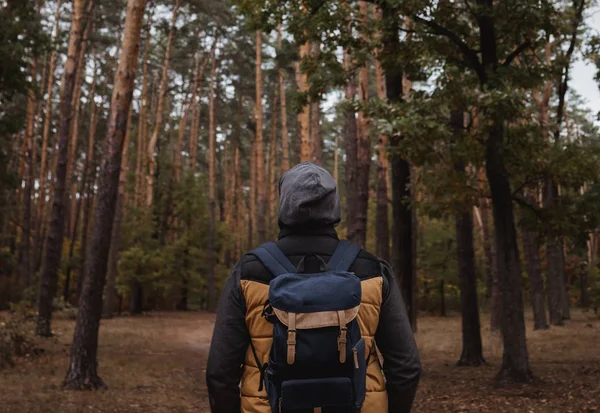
(317, 359)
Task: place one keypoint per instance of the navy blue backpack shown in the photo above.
(317, 361)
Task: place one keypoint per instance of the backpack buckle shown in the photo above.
(291, 346)
(342, 337)
(291, 339)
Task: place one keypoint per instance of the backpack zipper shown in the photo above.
(355, 352)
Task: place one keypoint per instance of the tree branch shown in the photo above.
(515, 53)
(471, 58)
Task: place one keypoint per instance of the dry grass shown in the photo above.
(156, 364)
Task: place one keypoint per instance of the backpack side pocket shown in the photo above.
(359, 379)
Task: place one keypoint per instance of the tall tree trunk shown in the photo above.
(472, 349)
(83, 184)
(363, 150)
(71, 200)
(142, 125)
(515, 362)
(402, 215)
(285, 161)
(272, 182)
(316, 140)
(82, 371)
(252, 197)
(350, 148)
(115, 240)
(536, 282)
(195, 129)
(584, 299)
(160, 110)
(336, 159)
(25, 267)
(442, 299)
(45, 136)
(382, 226)
(260, 155)
(304, 114)
(212, 256)
(49, 277)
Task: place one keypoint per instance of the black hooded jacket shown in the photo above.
(314, 197)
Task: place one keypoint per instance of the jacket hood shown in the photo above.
(308, 197)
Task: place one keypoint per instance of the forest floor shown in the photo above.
(156, 363)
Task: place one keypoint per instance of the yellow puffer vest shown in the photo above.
(261, 333)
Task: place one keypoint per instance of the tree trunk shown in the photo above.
(304, 114)
(402, 216)
(25, 267)
(363, 150)
(252, 197)
(350, 147)
(316, 140)
(442, 299)
(49, 277)
(272, 182)
(71, 200)
(142, 125)
(531, 250)
(336, 159)
(472, 349)
(260, 154)
(584, 299)
(115, 242)
(212, 256)
(382, 229)
(160, 111)
(472, 352)
(515, 361)
(554, 276)
(285, 162)
(82, 371)
(39, 239)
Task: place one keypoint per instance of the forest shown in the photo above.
(142, 141)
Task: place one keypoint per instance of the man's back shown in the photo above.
(240, 322)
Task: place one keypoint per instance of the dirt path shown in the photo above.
(156, 363)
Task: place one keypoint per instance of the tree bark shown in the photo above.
(382, 229)
(472, 349)
(41, 219)
(363, 150)
(350, 148)
(82, 373)
(402, 215)
(304, 114)
(160, 110)
(252, 197)
(115, 240)
(442, 299)
(584, 299)
(212, 257)
(71, 200)
(195, 129)
(316, 140)
(531, 251)
(260, 155)
(49, 277)
(336, 159)
(285, 161)
(272, 182)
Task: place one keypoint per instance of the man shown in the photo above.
(309, 210)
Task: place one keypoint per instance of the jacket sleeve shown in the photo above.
(395, 340)
(228, 348)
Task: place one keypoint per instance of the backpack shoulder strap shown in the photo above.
(343, 256)
(272, 258)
